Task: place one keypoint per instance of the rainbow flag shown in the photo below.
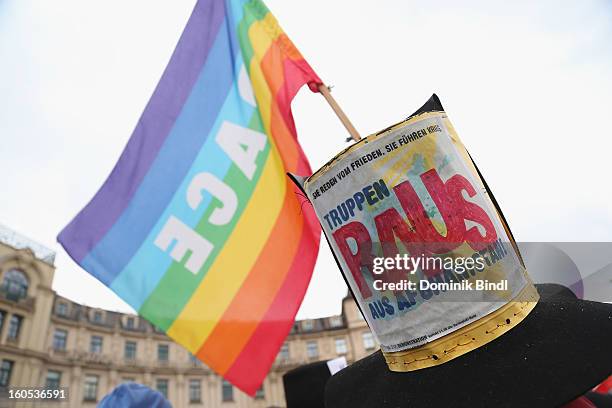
(198, 227)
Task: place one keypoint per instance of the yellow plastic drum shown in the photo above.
(420, 243)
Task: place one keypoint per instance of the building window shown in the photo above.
(62, 309)
(90, 391)
(312, 349)
(307, 325)
(260, 393)
(335, 321)
(340, 346)
(14, 327)
(284, 352)
(195, 391)
(2, 316)
(194, 360)
(59, 339)
(129, 323)
(6, 368)
(130, 350)
(97, 317)
(95, 345)
(368, 340)
(15, 284)
(162, 352)
(162, 386)
(227, 391)
(54, 379)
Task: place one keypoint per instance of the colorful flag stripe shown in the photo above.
(230, 335)
(159, 116)
(210, 159)
(240, 319)
(189, 133)
(225, 276)
(267, 339)
(262, 43)
(176, 287)
(244, 295)
(291, 154)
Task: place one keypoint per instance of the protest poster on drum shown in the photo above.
(416, 236)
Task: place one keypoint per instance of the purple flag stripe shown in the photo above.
(167, 101)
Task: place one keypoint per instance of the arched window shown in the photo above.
(15, 284)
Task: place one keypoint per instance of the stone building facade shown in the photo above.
(49, 341)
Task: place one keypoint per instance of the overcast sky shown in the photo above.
(527, 85)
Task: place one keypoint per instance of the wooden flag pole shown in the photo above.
(324, 89)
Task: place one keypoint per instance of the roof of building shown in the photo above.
(77, 312)
(18, 241)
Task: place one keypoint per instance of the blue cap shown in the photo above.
(134, 395)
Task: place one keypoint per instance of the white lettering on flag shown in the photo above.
(218, 189)
(241, 145)
(186, 240)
